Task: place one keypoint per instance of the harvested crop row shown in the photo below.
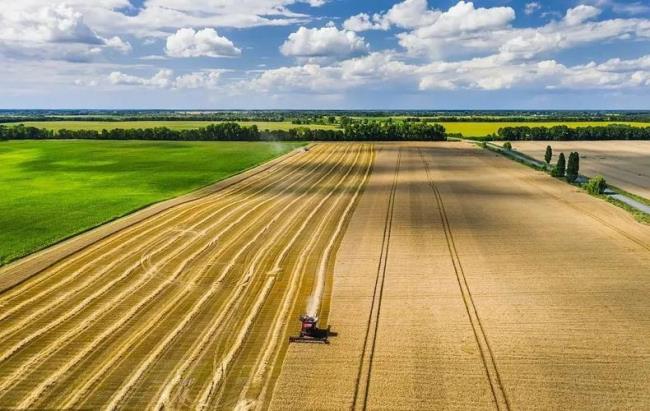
(43, 354)
(161, 347)
(258, 385)
(288, 277)
(132, 310)
(171, 289)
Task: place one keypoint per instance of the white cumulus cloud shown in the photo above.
(532, 7)
(118, 44)
(325, 42)
(461, 27)
(187, 42)
(408, 14)
(165, 78)
(580, 14)
(57, 31)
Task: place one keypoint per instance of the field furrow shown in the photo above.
(257, 384)
(284, 294)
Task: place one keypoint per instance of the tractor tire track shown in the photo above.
(364, 372)
(501, 400)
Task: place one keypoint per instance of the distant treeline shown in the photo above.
(319, 116)
(535, 119)
(368, 131)
(564, 133)
(146, 117)
(354, 131)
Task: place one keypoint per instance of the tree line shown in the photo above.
(354, 131)
(320, 116)
(564, 133)
(571, 171)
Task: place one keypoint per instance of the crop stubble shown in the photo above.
(152, 315)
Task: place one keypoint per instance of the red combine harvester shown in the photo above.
(310, 333)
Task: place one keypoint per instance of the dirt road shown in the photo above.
(189, 308)
(466, 280)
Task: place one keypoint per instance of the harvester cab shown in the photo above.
(309, 331)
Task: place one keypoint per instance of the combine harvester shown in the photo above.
(310, 333)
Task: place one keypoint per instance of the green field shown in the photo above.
(174, 125)
(53, 189)
(467, 129)
(478, 129)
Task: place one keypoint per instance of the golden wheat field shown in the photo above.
(454, 277)
(625, 164)
(467, 281)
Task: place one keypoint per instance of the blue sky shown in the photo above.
(340, 54)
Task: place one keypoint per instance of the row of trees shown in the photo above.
(569, 170)
(393, 130)
(564, 133)
(354, 131)
(213, 132)
(362, 130)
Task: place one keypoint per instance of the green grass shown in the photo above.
(54, 189)
(640, 216)
(174, 125)
(478, 129)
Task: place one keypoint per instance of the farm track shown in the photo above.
(141, 318)
(487, 355)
